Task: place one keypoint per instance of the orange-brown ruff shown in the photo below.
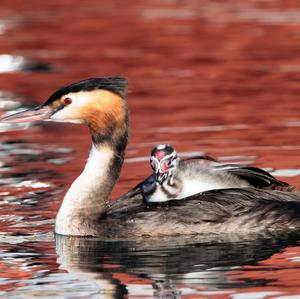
(106, 116)
(85, 211)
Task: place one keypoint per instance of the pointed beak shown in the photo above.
(29, 116)
(161, 177)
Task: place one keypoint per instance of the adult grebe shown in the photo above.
(99, 103)
(175, 178)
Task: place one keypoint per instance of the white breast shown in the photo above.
(191, 187)
(86, 194)
(158, 195)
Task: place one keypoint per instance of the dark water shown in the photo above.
(221, 77)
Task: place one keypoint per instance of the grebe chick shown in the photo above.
(174, 178)
(100, 104)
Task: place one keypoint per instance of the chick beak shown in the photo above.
(29, 116)
(161, 177)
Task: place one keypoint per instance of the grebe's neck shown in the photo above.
(85, 201)
(89, 193)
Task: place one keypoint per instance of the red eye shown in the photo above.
(67, 101)
(164, 166)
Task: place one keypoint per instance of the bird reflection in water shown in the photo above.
(165, 265)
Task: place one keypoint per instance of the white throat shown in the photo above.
(87, 196)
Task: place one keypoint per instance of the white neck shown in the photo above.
(87, 196)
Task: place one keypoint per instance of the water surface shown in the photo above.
(206, 76)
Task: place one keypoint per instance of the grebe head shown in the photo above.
(96, 102)
(163, 161)
(99, 103)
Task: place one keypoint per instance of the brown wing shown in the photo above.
(214, 213)
(259, 178)
(256, 177)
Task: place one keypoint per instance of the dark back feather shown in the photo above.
(259, 178)
(233, 211)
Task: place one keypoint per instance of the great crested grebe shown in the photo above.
(99, 103)
(175, 178)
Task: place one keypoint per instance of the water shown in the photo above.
(207, 76)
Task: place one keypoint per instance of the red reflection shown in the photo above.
(220, 77)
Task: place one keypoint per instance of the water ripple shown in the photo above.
(9, 101)
(16, 63)
(216, 128)
(286, 172)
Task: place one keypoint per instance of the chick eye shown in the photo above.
(164, 165)
(67, 101)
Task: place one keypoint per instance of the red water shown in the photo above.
(221, 77)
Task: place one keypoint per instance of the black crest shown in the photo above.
(117, 84)
(166, 148)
